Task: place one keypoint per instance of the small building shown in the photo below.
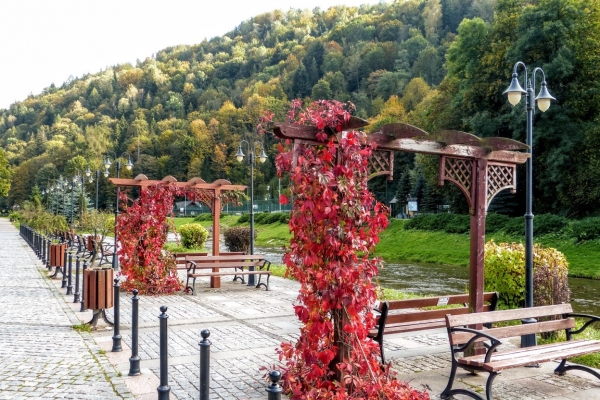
(188, 208)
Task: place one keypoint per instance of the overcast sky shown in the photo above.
(44, 42)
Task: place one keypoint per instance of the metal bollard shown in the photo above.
(48, 253)
(274, 389)
(205, 365)
(64, 271)
(76, 295)
(134, 360)
(117, 335)
(44, 247)
(164, 389)
(70, 272)
(83, 287)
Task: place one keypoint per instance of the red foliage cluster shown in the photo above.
(142, 231)
(335, 224)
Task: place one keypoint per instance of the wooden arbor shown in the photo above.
(210, 194)
(480, 167)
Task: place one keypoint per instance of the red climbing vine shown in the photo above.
(142, 231)
(335, 224)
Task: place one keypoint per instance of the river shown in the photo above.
(435, 279)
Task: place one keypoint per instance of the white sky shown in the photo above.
(47, 41)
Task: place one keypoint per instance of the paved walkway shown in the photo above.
(43, 357)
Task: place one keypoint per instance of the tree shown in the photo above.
(5, 174)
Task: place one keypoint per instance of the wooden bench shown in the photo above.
(234, 264)
(399, 316)
(181, 262)
(495, 360)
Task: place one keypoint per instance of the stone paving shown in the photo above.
(43, 357)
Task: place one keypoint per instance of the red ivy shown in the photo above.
(335, 224)
(142, 230)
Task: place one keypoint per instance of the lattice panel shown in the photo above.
(380, 162)
(205, 196)
(460, 172)
(500, 177)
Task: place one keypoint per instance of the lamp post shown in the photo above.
(262, 158)
(128, 165)
(88, 173)
(543, 100)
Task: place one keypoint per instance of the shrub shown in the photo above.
(549, 223)
(206, 217)
(260, 218)
(450, 223)
(244, 218)
(586, 229)
(495, 222)
(193, 236)
(238, 238)
(505, 274)
(515, 226)
(273, 218)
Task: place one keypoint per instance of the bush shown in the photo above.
(260, 218)
(549, 223)
(505, 274)
(449, 223)
(244, 218)
(238, 238)
(515, 226)
(206, 217)
(586, 229)
(495, 222)
(193, 236)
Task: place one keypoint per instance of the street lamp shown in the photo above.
(88, 173)
(262, 158)
(128, 165)
(543, 99)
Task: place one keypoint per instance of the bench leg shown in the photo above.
(563, 368)
(266, 285)
(194, 286)
(382, 353)
(449, 392)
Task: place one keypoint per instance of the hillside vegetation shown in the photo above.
(437, 64)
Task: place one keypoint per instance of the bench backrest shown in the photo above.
(180, 258)
(556, 311)
(490, 298)
(234, 257)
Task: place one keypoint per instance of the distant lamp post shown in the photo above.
(262, 158)
(88, 173)
(129, 166)
(543, 99)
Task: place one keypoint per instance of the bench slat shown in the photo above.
(238, 264)
(457, 338)
(221, 273)
(532, 355)
(243, 257)
(507, 315)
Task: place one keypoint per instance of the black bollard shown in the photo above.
(274, 390)
(64, 271)
(48, 255)
(134, 360)
(204, 365)
(164, 389)
(116, 336)
(70, 272)
(83, 287)
(44, 247)
(76, 295)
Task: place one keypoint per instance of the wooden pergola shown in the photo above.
(206, 193)
(479, 167)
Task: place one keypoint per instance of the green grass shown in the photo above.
(82, 328)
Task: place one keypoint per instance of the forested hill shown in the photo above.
(183, 111)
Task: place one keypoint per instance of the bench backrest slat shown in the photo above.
(434, 301)
(458, 338)
(507, 315)
(428, 314)
(223, 264)
(242, 257)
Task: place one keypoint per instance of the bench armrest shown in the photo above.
(266, 263)
(590, 320)
(191, 266)
(477, 335)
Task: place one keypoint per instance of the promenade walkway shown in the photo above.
(43, 357)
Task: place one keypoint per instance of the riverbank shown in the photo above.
(400, 245)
